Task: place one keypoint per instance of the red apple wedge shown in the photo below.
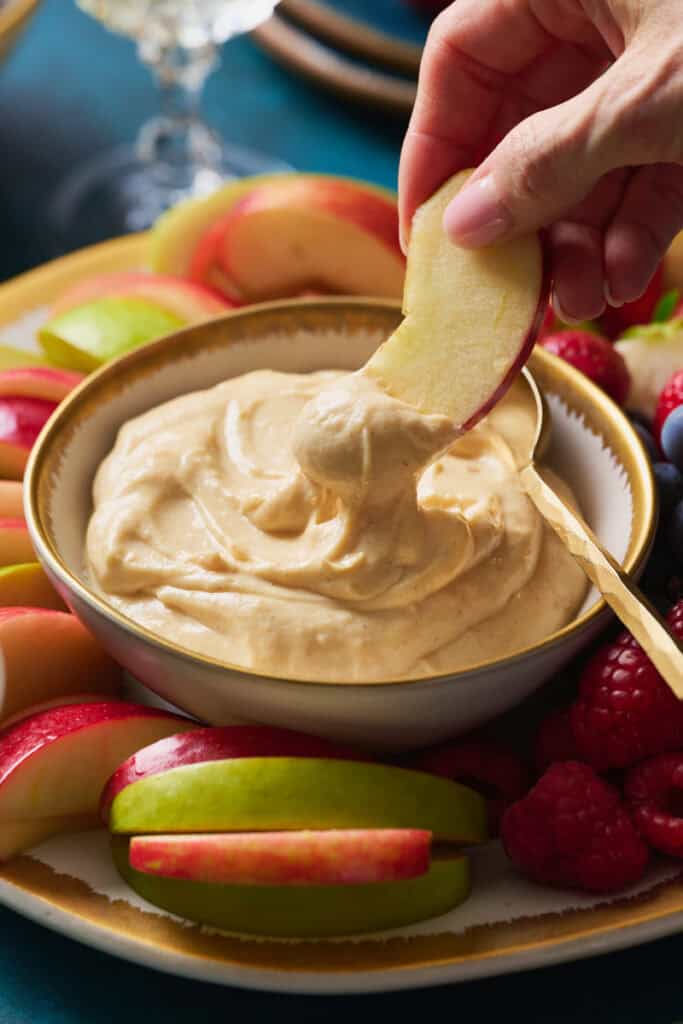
(471, 318)
(11, 499)
(216, 744)
(27, 585)
(331, 857)
(53, 764)
(21, 420)
(47, 654)
(38, 382)
(15, 542)
(191, 302)
(300, 233)
(57, 702)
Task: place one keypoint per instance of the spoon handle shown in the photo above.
(619, 591)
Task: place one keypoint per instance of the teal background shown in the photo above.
(69, 90)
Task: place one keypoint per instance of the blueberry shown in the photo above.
(647, 439)
(672, 437)
(675, 532)
(669, 485)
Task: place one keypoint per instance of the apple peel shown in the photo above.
(471, 318)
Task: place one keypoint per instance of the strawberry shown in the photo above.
(594, 356)
(670, 398)
(614, 321)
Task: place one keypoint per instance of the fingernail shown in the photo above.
(560, 312)
(609, 298)
(476, 216)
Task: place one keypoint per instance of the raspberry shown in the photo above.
(555, 741)
(654, 795)
(670, 398)
(496, 773)
(675, 620)
(594, 356)
(613, 321)
(625, 712)
(572, 830)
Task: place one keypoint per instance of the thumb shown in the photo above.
(552, 160)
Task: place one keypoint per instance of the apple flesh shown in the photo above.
(301, 233)
(26, 585)
(471, 318)
(15, 542)
(219, 743)
(332, 857)
(11, 499)
(21, 420)
(87, 336)
(289, 793)
(191, 302)
(652, 353)
(46, 654)
(314, 911)
(39, 382)
(53, 764)
(16, 836)
(17, 358)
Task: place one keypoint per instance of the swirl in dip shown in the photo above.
(303, 525)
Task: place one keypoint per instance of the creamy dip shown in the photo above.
(306, 525)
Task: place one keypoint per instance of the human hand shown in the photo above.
(573, 110)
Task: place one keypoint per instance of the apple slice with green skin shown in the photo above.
(332, 857)
(87, 336)
(47, 654)
(191, 302)
(218, 743)
(314, 911)
(39, 382)
(652, 354)
(287, 793)
(471, 318)
(26, 585)
(11, 499)
(53, 764)
(15, 542)
(299, 233)
(17, 358)
(21, 420)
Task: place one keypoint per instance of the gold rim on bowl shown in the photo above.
(12, 19)
(254, 322)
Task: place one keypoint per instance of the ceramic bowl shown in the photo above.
(593, 446)
(14, 17)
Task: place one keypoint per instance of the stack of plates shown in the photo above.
(364, 50)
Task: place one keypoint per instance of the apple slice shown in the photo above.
(18, 358)
(15, 542)
(219, 743)
(53, 764)
(27, 585)
(313, 911)
(471, 318)
(16, 836)
(11, 499)
(652, 353)
(333, 857)
(191, 302)
(302, 232)
(21, 420)
(46, 654)
(39, 382)
(87, 336)
(57, 702)
(288, 793)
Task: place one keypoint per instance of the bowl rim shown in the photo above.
(47, 552)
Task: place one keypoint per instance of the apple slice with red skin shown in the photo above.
(26, 585)
(16, 836)
(21, 420)
(471, 318)
(217, 743)
(331, 857)
(303, 233)
(11, 499)
(53, 764)
(57, 702)
(39, 382)
(191, 302)
(15, 542)
(47, 654)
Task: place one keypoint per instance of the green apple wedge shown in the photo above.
(87, 336)
(17, 358)
(281, 793)
(315, 911)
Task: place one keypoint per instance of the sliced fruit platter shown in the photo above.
(152, 835)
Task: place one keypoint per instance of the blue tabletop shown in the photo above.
(69, 90)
